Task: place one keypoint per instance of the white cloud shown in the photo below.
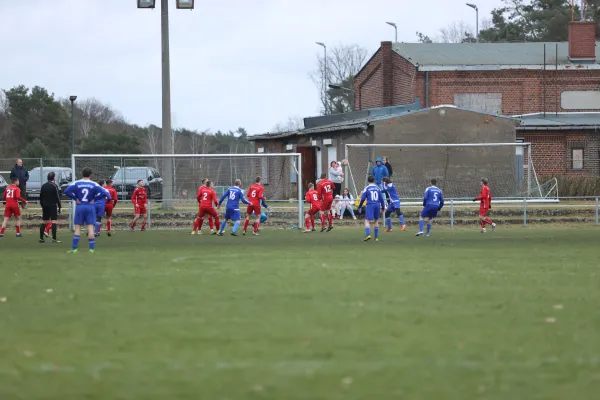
(233, 63)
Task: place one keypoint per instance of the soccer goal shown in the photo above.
(172, 181)
(458, 168)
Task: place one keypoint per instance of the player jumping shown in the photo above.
(232, 212)
(207, 198)
(325, 193)
(83, 192)
(312, 197)
(111, 203)
(139, 198)
(485, 198)
(433, 201)
(393, 206)
(373, 196)
(256, 197)
(11, 198)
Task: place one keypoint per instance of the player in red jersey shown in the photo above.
(325, 192)
(11, 199)
(211, 223)
(485, 199)
(110, 205)
(139, 198)
(207, 197)
(312, 197)
(255, 196)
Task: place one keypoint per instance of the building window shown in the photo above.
(577, 158)
(293, 170)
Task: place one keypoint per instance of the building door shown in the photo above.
(308, 165)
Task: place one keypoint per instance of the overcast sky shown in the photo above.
(234, 63)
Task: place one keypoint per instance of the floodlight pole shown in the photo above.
(167, 133)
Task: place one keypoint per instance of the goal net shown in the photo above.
(172, 181)
(458, 168)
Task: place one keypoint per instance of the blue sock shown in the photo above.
(92, 243)
(421, 225)
(388, 223)
(402, 220)
(98, 227)
(223, 224)
(368, 231)
(75, 242)
(376, 232)
(428, 228)
(236, 226)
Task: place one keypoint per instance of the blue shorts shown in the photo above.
(429, 212)
(232, 214)
(393, 206)
(85, 215)
(372, 212)
(100, 207)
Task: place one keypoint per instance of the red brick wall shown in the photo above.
(582, 39)
(368, 84)
(403, 80)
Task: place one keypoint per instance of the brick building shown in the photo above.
(500, 78)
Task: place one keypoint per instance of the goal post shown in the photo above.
(458, 168)
(281, 175)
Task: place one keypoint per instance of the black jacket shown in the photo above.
(49, 195)
(21, 173)
(389, 168)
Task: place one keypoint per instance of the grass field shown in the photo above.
(164, 315)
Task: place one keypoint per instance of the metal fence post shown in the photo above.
(524, 212)
(596, 211)
(452, 214)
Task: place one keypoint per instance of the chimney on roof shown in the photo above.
(582, 41)
(387, 69)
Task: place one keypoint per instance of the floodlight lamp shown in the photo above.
(185, 4)
(72, 98)
(146, 3)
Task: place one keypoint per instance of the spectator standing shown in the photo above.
(346, 203)
(20, 172)
(379, 172)
(386, 162)
(336, 176)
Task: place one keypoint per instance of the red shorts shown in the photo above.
(9, 211)
(253, 208)
(141, 210)
(483, 212)
(207, 211)
(313, 211)
(108, 210)
(326, 204)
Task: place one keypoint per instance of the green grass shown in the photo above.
(164, 315)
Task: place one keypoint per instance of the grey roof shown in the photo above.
(565, 120)
(491, 54)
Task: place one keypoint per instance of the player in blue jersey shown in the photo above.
(100, 206)
(373, 196)
(433, 201)
(232, 212)
(83, 192)
(393, 206)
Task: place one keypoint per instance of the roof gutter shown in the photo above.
(559, 128)
(500, 67)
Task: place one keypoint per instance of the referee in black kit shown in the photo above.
(50, 202)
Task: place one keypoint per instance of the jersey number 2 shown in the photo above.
(85, 193)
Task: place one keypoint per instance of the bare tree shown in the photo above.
(456, 32)
(292, 124)
(343, 63)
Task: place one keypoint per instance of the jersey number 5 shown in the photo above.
(435, 199)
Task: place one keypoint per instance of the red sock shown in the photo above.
(312, 222)
(307, 223)
(18, 228)
(488, 221)
(330, 220)
(246, 225)
(108, 225)
(196, 225)
(132, 225)
(143, 225)
(256, 227)
(217, 221)
(2, 231)
(48, 227)
(322, 221)
(211, 223)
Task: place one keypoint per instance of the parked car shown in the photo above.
(125, 182)
(3, 186)
(39, 176)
